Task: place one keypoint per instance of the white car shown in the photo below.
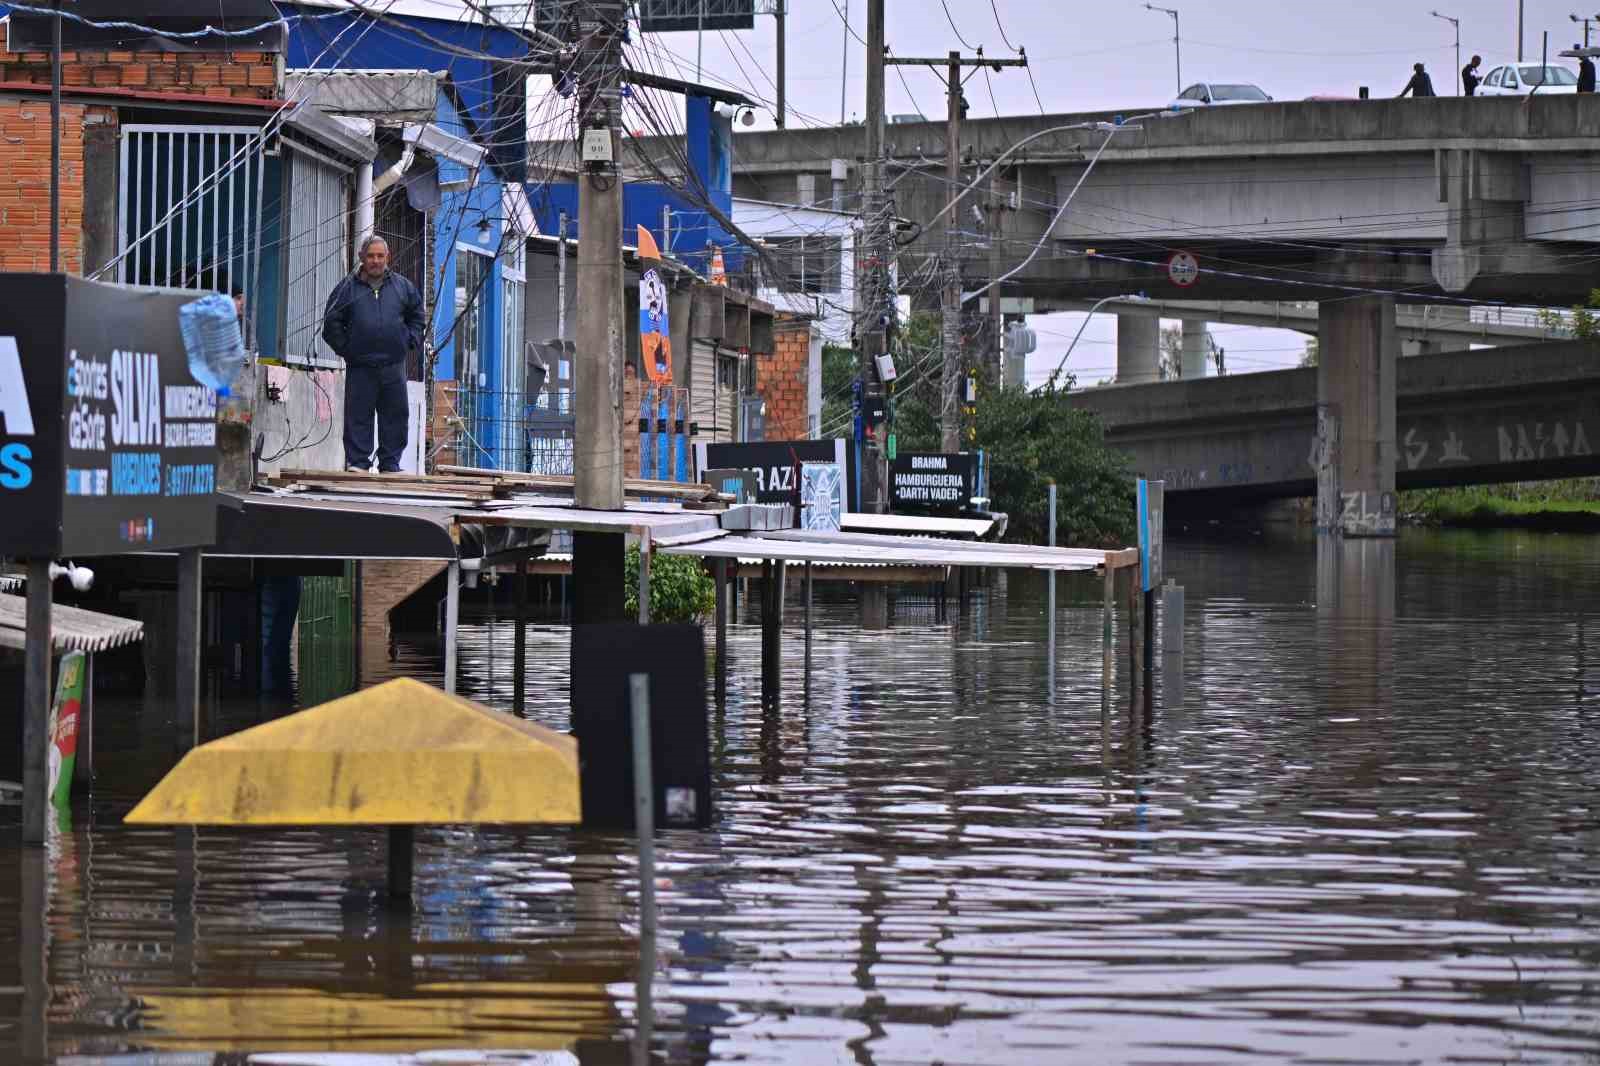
(1215, 94)
(1520, 79)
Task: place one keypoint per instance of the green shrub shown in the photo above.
(680, 588)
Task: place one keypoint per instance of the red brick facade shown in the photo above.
(783, 379)
(242, 75)
(25, 194)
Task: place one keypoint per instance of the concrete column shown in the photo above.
(1196, 349)
(1355, 459)
(1138, 349)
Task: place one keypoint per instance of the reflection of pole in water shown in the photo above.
(33, 941)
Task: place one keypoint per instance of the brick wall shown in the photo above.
(630, 421)
(782, 379)
(245, 75)
(385, 584)
(25, 194)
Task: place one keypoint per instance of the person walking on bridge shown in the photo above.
(373, 321)
(1469, 77)
(1420, 84)
(1585, 75)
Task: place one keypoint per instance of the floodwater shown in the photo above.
(1360, 823)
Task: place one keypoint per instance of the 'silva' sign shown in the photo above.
(107, 442)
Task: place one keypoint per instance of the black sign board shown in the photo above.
(665, 16)
(773, 462)
(107, 442)
(30, 31)
(919, 481)
(674, 658)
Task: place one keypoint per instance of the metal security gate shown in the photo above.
(317, 221)
(189, 206)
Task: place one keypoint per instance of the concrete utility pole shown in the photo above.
(597, 564)
(993, 357)
(597, 464)
(873, 300)
(950, 296)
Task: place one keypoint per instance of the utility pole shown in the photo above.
(950, 296)
(597, 448)
(993, 358)
(1519, 30)
(873, 300)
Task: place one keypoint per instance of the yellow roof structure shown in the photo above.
(400, 753)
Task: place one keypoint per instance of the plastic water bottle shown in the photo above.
(211, 338)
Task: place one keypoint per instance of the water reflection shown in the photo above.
(1360, 826)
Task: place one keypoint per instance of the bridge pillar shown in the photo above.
(1355, 448)
(1138, 349)
(1196, 349)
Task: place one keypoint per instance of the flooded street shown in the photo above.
(1365, 827)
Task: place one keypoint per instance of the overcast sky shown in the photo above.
(1110, 54)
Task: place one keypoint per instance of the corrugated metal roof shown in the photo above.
(71, 628)
(861, 548)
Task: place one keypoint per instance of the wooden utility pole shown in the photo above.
(950, 297)
(597, 564)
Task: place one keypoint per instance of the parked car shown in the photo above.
(1214, 94)
(1520, 79)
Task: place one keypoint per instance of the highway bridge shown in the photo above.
(1509, 414)
(1358, 206)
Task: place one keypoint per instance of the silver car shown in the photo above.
(1216, 93)
(1520, 79)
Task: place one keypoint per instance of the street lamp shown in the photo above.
(1087, 315)
(1177, 39)
(1457, 24)
(1585, 22)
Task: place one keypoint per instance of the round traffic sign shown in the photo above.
(1183, 269)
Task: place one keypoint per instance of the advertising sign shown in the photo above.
(65, 714)
(107, 440)
(920, 481)
(1152, 532)
(821, 496)
(775, 465)
(666, 16)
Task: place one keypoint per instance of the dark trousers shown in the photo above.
(379, 390)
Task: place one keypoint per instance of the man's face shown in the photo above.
(375, 260)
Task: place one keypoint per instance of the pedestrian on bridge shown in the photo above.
(1585, 75)
(1420, 84)
(1469, 77)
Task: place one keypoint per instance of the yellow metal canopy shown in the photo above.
(400, 753)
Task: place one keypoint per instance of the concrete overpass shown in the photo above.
(1510, 414)
(1484, 198)
(1429, 327)
(1359, 206)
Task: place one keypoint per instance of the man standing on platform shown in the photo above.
(373, 321)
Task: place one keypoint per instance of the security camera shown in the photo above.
(80, 577)
(743, 115)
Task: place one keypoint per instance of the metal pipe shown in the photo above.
(401, 861)
(365, 213)
(452, 614)
(519, 671)
(644, 576)
(55, 137)
(719, 576)
(189, 646)
(561, 280)
(644, 808)
(36, 704)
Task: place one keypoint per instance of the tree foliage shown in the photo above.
(680, 588)
(1583, 323)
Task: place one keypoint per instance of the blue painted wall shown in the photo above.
(709, 144)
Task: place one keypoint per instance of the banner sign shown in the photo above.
(107, 440)
(920, 481)
(655, 330)
(775, 465)
(1152, 532)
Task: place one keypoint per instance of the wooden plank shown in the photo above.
(633, 486)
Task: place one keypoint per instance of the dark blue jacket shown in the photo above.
(368, 326)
